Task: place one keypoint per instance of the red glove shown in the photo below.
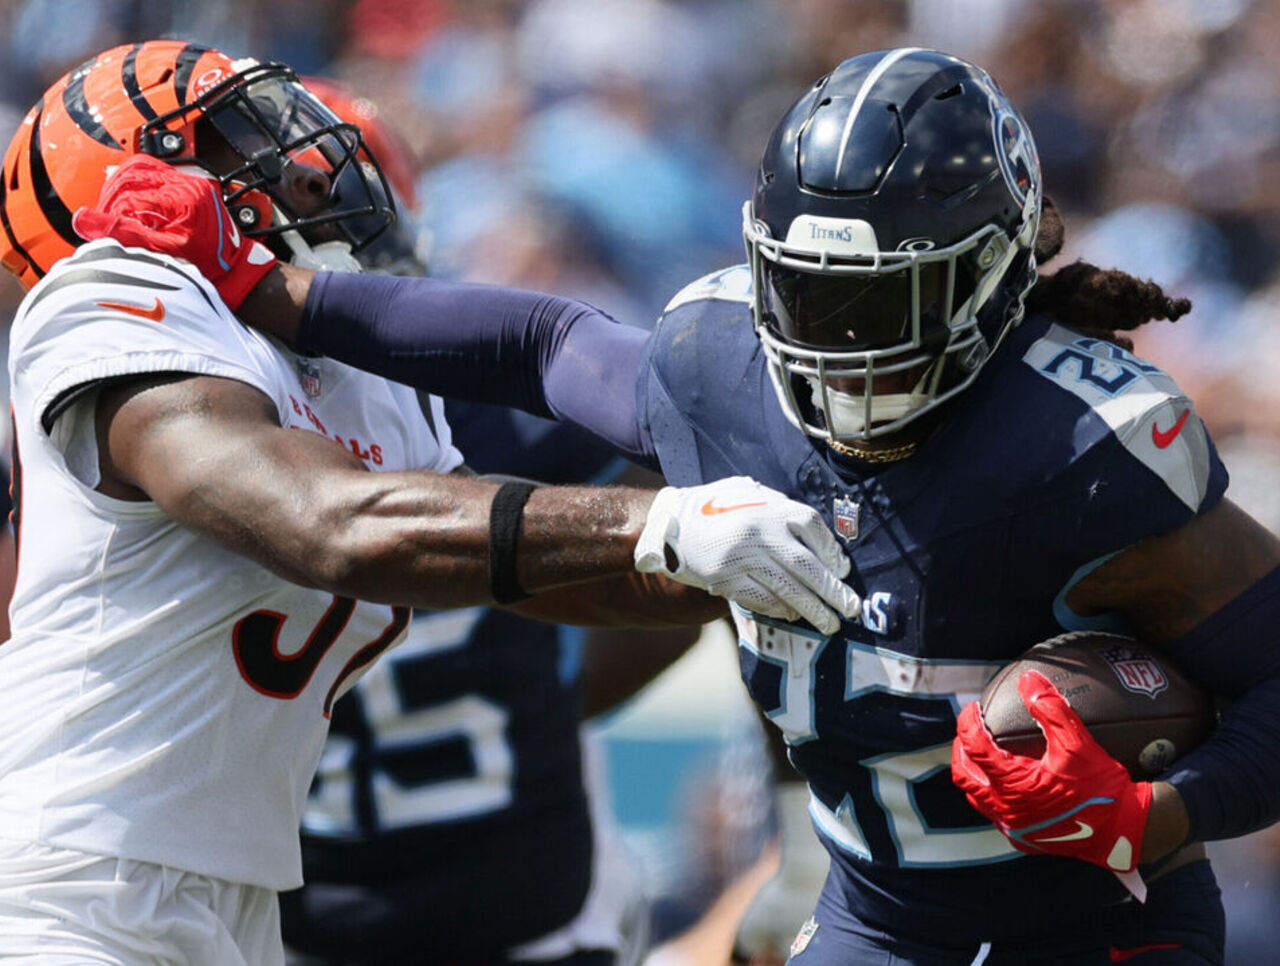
(1075, 801)
(149, 204)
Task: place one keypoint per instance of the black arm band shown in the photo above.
(504, 524)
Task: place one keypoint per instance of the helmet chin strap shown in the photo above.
(847, 413)
(330, 256)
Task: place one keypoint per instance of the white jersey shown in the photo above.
(163, 699)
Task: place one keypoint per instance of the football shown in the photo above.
(1136, 703)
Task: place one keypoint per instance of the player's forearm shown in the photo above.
(1167, 823)
(275, 304)
(209, 453)
(1230, 785)
(547, 355)
(466, 341)
(424, 540)
(642, 608)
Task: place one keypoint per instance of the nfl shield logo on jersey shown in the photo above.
(1136, 670)
(845, 512)
(801, 942)
(309, 376)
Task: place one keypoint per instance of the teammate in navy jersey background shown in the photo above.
(454, 785)
(453, 781)
(996, 479)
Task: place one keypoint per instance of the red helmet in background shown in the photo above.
(399, 251)
(251, 124)
(392, 153)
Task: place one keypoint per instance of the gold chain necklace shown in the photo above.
(891, 455)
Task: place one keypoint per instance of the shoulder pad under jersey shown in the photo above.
(108, 311)
(732, 284)
(1142, 406)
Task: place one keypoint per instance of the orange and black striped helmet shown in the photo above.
(285, 160)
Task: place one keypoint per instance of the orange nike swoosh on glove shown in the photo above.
(155, 313)
(709, 509)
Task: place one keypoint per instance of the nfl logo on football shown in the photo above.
(1136, 671)
(309, 376)
(845, 512)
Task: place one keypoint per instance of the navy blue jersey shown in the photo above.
(1066, 450)
(449, 816)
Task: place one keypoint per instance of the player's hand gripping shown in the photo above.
(739, 539)
(1075, 800)
(147, 203)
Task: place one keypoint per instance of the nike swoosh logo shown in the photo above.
(155, 313)
(1083, 831)
(709, 509)
(1163, 437)
(1123, 955)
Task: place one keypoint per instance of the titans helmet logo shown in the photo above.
(1019, 162)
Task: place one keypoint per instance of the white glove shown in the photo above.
(737, 538)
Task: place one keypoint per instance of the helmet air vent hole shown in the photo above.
(952, 91)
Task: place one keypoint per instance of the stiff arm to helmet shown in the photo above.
(251, 125)
(174, 215)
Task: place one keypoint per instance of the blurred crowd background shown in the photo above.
(603, 149)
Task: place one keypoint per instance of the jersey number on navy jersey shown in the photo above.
(485, 785)
(783, 662)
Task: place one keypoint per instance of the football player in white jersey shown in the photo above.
(216, 536)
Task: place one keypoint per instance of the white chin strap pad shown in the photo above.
(330, 256)
(847, 416)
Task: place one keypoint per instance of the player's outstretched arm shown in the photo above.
(211, 453)
(478, 342)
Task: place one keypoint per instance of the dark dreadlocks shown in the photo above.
(1097, 302)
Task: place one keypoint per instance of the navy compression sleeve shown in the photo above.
(1231, 783)
(545, 354)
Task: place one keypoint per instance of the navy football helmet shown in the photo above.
(890, 237)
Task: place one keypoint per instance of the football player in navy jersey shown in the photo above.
(997, 463)
(454, 781)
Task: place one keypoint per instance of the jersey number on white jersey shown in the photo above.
(255, 641)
